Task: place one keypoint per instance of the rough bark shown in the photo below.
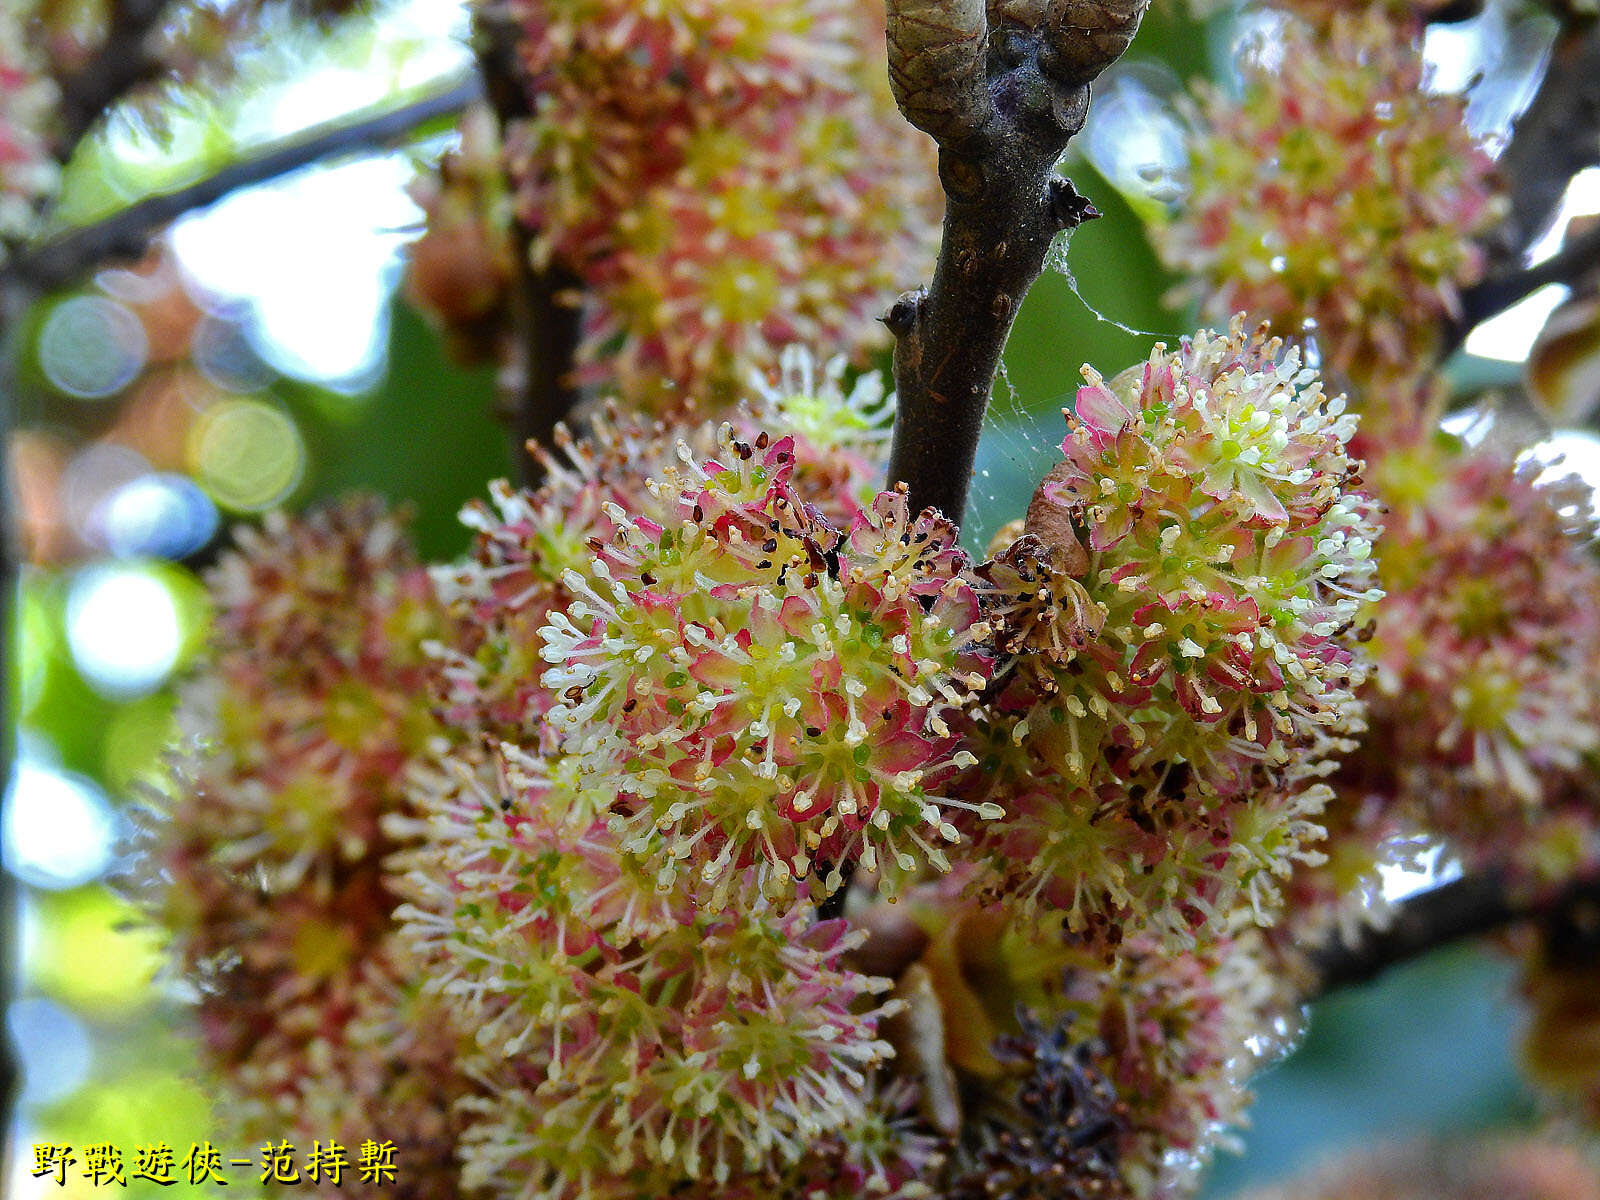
(1001, 87)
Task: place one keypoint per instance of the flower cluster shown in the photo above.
(618, 760)
(526, 542)
(629, 1040)
(1338, 192)
(1484, 714)
(723, 176)
(1202, 553)
(761, 689)
(265, 865)
(28, 95)
(749, 655)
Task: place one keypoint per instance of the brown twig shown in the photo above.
(126, 233)
(1577, 258)
(1001, 87)
(546, 302)
(1557, 136)
(1467, 907)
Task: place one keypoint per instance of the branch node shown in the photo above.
(936, 66)
(1070, 109)
(1084, 37)
(961, 177)
(902, 315)
(1002, 87)
(1068, 207)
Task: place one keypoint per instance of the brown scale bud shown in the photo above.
(918, 1035)
(1050, 520)
(1084, 37)
(1027, 13)
(936, 65)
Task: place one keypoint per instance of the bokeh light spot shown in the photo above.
(247, 454)
(1569, 452)
(54, 1047)
(93, 952)
(123, 628)
(159, 515)
(94, 474)
(92, 347)
(59, 829)
(1134, 137)
(1509, 335)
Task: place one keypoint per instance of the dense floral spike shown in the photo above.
(1486, 723)
(526, 541)
(763, 690)
(1174, 1035)
(724, 176)
(1231, 543)
(626, 1042)
(1201, 555)
(265, 867)
(576, 955)
(1508, 1170)
(1338, 191)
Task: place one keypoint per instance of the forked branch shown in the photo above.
(1471, 906)
(537, 388)
(1001, 87)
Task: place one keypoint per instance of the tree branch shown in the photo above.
(1467, 907)
(122, 62)
(548, 317)
(1555, 138)
(1577, 258)
(1001, 87)
(126, 233)
(546, 308)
